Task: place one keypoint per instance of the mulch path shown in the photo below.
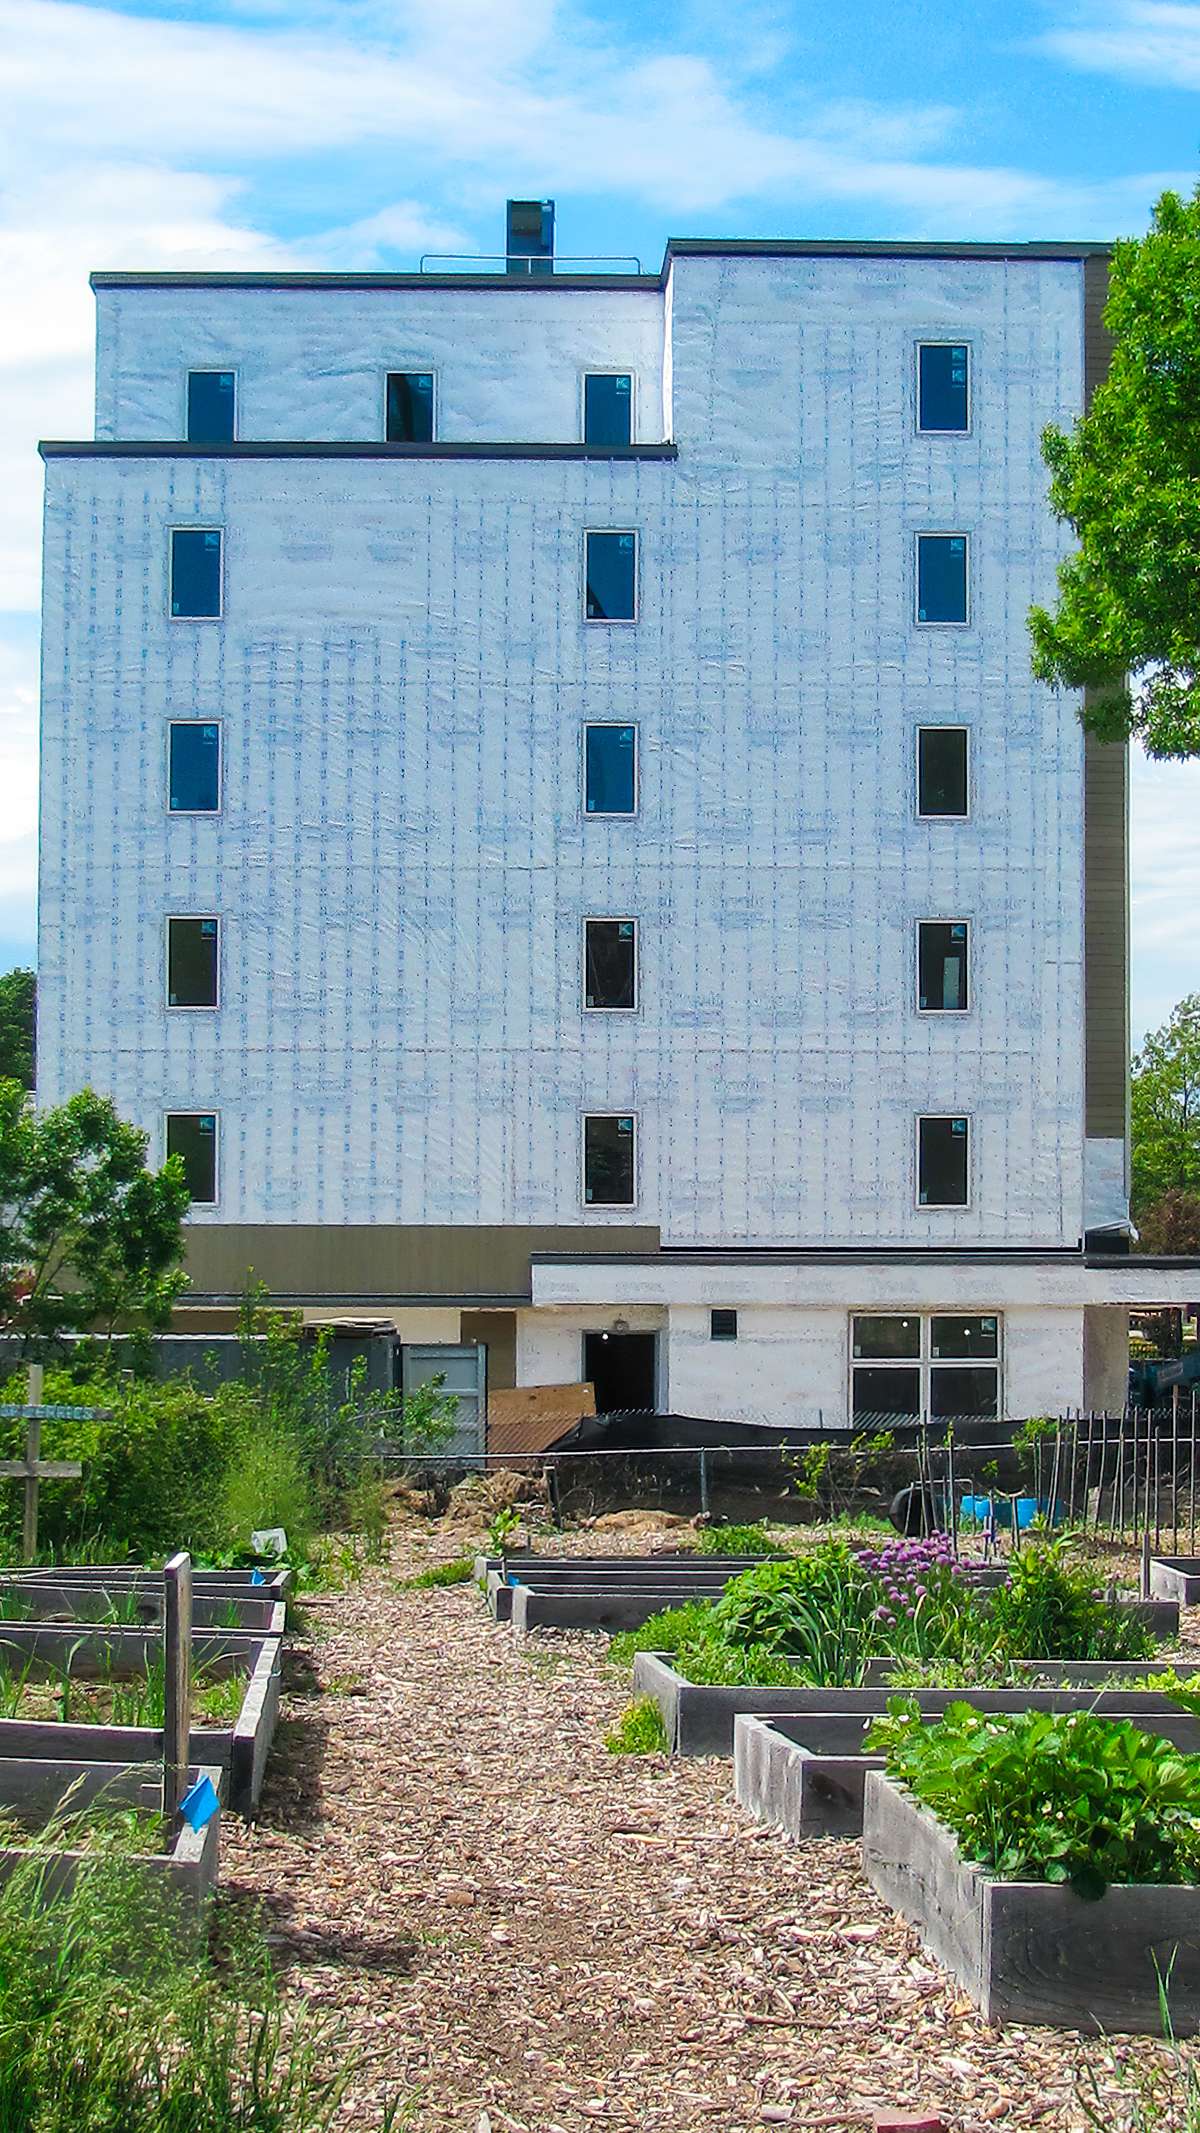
(525, 1934)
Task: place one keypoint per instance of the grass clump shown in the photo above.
(738, 1540)
(1051, 1796)
(639, 1730)
(459, 1571)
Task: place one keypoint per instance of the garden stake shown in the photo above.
(33, 1469)
(1174, 1469)
(1192, 1485)
(177, 1698)
(1144, 1582)
(951, 1491)
(1055, 1468)
(1157, 1487)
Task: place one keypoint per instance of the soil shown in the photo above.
(523, 1933)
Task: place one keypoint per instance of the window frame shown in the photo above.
(925, 1362)
(940, 1014)
(215, 1116)
(942, 533)
(918, 730)
(606, 1207)
(616, 370)
(196, 814)
(716, 1311)
(425, 370)
(612, 622)
(604, 918)
(926, 340)
(172, 530)
(943, 1207)
(612, 725)
(207, 1007)
(213, 370)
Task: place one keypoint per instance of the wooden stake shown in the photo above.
(33, 1453)
(177, 1658)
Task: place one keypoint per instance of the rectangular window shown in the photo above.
(610, 770)
(926, 1368)
(944, 387)
(610, 577)
(608, 1160)
(943, 1168)
(942, 788)
(195, 573)
(942, 577)
(610, 963)
(942, 959)
(210, 407)
(193, 767)
(608, 408)
(722, 1325)
(193, 1135)
(193, 959)
(409, 407)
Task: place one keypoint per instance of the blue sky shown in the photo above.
(359, 134)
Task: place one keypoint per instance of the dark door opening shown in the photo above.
(621, 1367)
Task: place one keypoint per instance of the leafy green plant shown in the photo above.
(1051, 1796)
(639, 1730)
(457, 1572)
(737, 1540)
(504, 1524)
(1050, 1610)
(834, 1473)
(670, 1630)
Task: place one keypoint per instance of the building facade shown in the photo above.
(545, 807)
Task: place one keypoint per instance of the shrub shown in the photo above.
(1049, 1610)
(457, 1572)
(1051, 1796)
(266, 1485)
(639, 1730)
(738, 1540)
(668, 1631)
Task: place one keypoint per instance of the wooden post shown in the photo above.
(33, 1453)
(177, 1701)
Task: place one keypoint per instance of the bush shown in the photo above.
(459, 1571)
(672, 1629)
(1049, 1610)
(738, 1540)
(639, 1730)
(1050, 1796)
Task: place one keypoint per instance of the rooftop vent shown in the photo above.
(529, 246)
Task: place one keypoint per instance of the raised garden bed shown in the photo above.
(1176, 1577)
(699, 1717)
(33, 1793)
(35, 1656)
(256, 1611)
(1030, 1951)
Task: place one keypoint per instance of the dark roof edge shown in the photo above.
(359, 1300)
(677, 248)
(368, 448)
(831, 1255)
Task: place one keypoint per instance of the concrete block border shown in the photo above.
(1176, 1577)
(1029, 1951)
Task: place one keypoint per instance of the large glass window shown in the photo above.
(410, 407)
(193, 1135)
(943, 1162)
(608, 1160)
(610, 963)
(610, 577)
(210, 407)
(942, 577)
(193, 962)
(610, 770)
(608, 408)
(942, 771)
(195, 573)
(942, 958)
(924, 1367)
(193, 767)
(944, 386)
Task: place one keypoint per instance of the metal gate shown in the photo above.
(465, 1372)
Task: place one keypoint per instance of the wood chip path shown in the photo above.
(526, 1934)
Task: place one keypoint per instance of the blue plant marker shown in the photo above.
(257, 1578)
(199, 1803)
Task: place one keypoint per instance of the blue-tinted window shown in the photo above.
(942, 965)
(193, 1135)
(608, 408)
(194, 768)
(192, 962)
(210, 407)
(610, 770)
(942, 1162)
(943, 386)
(195, 573)
(610, 573)
(941, 577)
(410, 407)
(608, 1161)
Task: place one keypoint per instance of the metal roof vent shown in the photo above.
(529, 245)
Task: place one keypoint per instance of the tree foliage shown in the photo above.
(88, 1236)
(1128, 480)
(18, 1019)
(1171, 1226)
(1165, 1104)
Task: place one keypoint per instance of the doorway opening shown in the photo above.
(621, 1367)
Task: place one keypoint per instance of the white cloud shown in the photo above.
(1138, 40)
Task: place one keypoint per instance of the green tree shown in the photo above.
(1128, 480)
(1171, 1226)
(1165, 1105)
(18, 1018)
(88, 1236)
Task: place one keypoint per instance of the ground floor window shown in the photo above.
(924, 1367)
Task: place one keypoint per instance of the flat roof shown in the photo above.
(677, 248)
